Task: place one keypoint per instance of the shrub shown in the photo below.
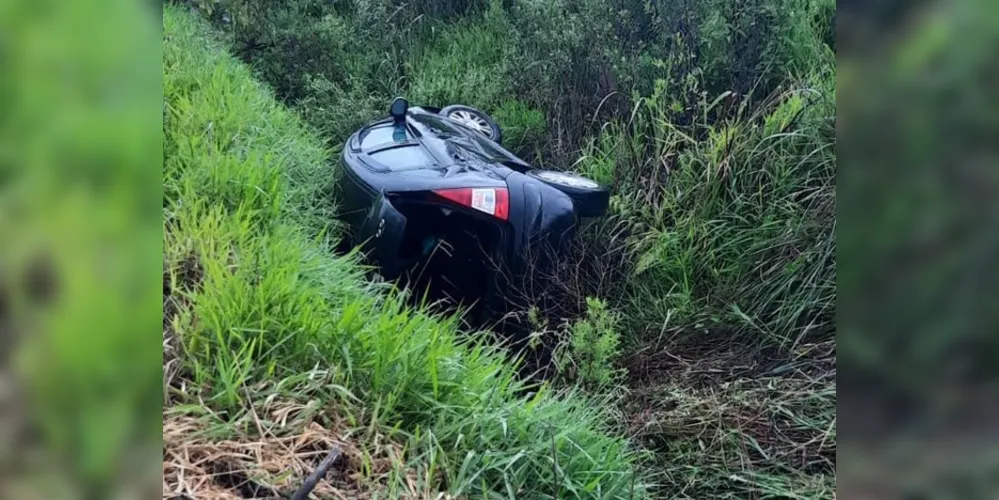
(590, 354)
(577, 62)
(563, 66)
(337, 62)
(523, 127)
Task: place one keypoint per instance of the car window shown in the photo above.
(448, 128)
(402, 158)
(437, 124)
(380, 135)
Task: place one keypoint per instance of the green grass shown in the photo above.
(725, 216)
(257, 299)
(467, 62)
(731, 221)
(715, 126)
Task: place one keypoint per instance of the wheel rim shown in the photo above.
(473, 121)
(567, 179)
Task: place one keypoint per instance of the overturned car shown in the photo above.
(435, 201)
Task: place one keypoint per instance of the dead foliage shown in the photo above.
(196, 466)
(274, 463)
(736, 411)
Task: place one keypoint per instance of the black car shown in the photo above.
(433, 199)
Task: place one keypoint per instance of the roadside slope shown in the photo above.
(275, 349)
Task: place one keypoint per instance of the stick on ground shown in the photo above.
(319, 473)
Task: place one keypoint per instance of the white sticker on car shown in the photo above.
(484, 200)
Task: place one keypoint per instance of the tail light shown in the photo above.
(493, 201)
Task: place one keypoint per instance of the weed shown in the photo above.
(731, 218)
(589, 356)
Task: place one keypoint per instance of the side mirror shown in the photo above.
(398, 109)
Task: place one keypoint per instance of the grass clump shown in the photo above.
(731, 219)
(259, 308)
(725, 216)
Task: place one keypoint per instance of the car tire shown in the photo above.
(474, 119)
(588, 196)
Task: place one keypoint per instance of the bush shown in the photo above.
(523, 127)
(339, 63)
(590, 354)
(577, 62)
(563, 67)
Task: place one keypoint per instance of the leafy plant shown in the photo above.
(523, 127)
(590, 354)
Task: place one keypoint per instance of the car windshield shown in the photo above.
(383, 134)
(377, 135)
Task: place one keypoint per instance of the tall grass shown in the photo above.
(712, 120)
(577, 62)
(256, 296)
(469, 62)
(724, 216)
(730, 209)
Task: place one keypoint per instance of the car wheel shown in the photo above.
(475, 120)
(588, 196)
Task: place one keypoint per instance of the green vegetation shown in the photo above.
(589, 355)
(258, 308)
(79, 380)
(731, 272)
(741, 236)
(713, 275)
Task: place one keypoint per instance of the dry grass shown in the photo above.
(199, 467)
(275, 462)
(736, 424)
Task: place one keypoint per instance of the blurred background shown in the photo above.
(80, 247)
(918, 85)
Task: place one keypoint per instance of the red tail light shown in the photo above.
(493, 201)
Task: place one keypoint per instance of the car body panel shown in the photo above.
(383, 227)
